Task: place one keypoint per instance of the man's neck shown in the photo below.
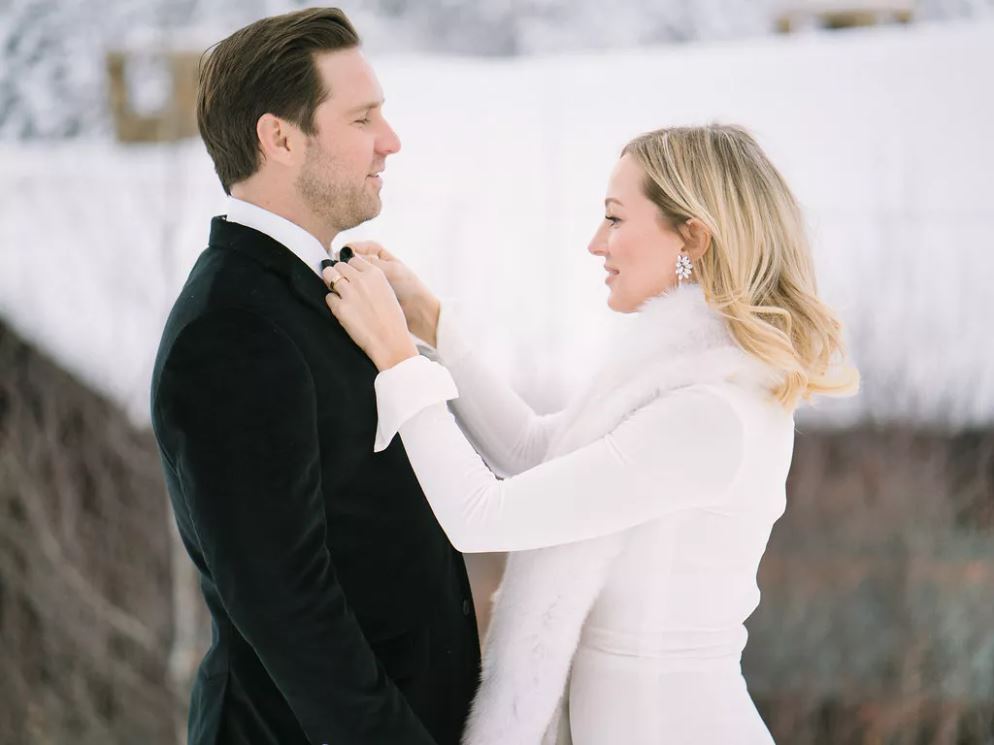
(288, 211)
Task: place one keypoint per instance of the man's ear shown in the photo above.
(277, 139)
(696, 238)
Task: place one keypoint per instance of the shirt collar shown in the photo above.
(305, 246)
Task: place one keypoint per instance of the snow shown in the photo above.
(884, 135)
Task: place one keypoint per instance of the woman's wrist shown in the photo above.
(423, 322)
(394, 353)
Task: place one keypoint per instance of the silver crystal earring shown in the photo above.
(683, 268)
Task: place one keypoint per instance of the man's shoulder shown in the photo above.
(222, 287)
(223, 275)
(222, 279)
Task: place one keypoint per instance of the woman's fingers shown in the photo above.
(356, 272)
(333, 278)
(359, 263)
(371, 248)
(348, 270)
(392, 270)
(365, 247)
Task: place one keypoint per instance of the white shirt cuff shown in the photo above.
(404, 390)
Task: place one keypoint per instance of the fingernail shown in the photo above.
(346, 254)
(325, 263)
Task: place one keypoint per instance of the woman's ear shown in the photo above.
(696, 238)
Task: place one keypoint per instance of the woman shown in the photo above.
(640, 512)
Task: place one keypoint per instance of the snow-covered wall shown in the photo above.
(52, 51)
(884, 134)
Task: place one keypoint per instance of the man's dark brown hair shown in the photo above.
(266, 67)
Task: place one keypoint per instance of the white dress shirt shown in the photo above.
(305, 246)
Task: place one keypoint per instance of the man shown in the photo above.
(341, 613)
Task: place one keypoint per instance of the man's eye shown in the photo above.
(362, 121)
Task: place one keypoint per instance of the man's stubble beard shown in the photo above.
(337, 204)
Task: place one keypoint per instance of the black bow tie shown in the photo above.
(344, 255)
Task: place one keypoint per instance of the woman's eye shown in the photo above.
(362, 121)
(612, 220)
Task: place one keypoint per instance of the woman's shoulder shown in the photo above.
(748, 402)
(764, 424)
(685, 416)
(734, 422)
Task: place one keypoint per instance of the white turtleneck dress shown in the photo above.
(695, 478)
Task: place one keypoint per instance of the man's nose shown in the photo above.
(389, 142)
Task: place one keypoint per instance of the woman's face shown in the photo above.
(639, 246)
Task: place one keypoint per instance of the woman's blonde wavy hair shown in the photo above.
(758, 271)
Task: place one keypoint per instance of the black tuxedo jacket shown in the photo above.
(341, 613)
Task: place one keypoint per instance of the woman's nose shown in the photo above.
(596, 246)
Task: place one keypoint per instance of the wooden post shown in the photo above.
(175, 120)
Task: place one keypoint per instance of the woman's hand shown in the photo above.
(420, 306)
(364, 303)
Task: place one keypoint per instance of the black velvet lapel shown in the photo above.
(275, 257)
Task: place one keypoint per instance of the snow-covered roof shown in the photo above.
(884, 134)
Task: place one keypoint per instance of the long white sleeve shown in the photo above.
(682, 450)
(506, 430)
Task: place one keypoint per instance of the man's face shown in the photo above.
(339, 179)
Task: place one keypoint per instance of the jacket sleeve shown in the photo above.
(239, 403)
(682, 450)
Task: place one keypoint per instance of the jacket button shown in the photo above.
(465, 607)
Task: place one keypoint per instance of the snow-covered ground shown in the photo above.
(886, 136)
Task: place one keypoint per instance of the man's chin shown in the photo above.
(371, 210)
(373, 207)
(367, 213)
